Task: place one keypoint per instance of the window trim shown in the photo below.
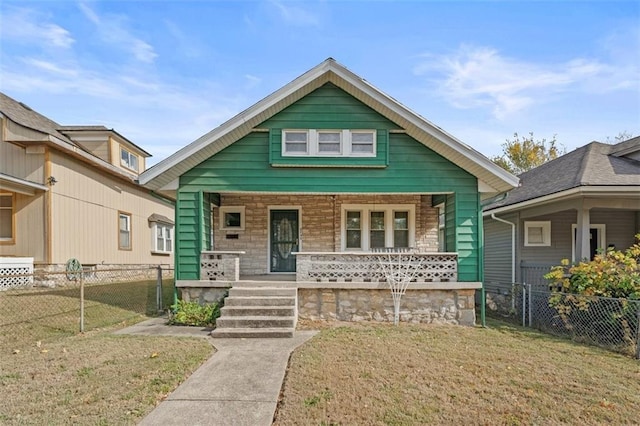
(154, 238)
(129, 156)
(313, 143)
(130, 221)
(546, 233)
(365, 225)
(232, 209)
(12, 239)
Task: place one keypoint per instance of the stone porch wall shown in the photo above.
(416, 306)
(320, 218)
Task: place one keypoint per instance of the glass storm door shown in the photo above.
(284, 240)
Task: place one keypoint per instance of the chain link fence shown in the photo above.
(47, 305)
(613, 324)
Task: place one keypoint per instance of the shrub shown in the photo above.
(610, 274)
(193, 313)
(599, 305)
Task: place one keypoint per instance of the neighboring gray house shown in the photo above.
(568, 208)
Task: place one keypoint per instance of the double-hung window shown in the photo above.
(124, 231)
(163, 240)
(366, 227)
(128, 159)
(7, 203)
(329, 143)
(296, 142)
(363, 142)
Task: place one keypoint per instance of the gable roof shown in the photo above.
(593, 165)
(170, 169)
(23, 115)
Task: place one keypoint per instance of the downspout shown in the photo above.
(513, 250)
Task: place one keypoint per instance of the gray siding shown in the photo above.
(620, 226)
(497, 252)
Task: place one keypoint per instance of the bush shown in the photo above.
(610, 274)
(595, 299)
(195, 314)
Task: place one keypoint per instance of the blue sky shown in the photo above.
(162, 73)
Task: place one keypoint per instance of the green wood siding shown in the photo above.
(245, 167)
(329, 107)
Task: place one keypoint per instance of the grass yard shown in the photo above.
(94, 379)
(29, 315)
(379, 374)
(51, 374)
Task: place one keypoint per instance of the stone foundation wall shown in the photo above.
(416, 306)
(203, 295)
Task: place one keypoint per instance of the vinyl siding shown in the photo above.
(497, 252)
(14, 161)
(85, 205)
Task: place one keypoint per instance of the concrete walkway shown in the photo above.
(239, 385)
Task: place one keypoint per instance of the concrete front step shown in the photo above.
(256, 322)
(261, 311)
(260, 301)
(253, 332)
(262, 291)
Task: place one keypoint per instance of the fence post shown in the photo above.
(81, 304)
(530, 303)
(159, 289)
(524, 304)
(638, 332)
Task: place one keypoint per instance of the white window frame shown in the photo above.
(232, 209)
(602, 237)
(365, 225)
(127, 163)
(129, 217)
(313, 143)
(165, 227)
(545, 225)
(12, 210)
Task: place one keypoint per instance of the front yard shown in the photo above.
(414, 374)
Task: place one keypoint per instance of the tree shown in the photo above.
(525, 153)
(622, 136)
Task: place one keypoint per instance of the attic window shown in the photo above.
(128, 160)
(328, 143)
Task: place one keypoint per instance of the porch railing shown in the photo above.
(365, 267)
(220, 265)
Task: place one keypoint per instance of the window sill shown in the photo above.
(160, 253)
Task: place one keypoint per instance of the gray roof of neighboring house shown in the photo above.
(595, 164)
(25, 116)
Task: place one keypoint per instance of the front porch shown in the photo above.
(344, 286)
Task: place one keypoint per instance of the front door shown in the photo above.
(284, 235)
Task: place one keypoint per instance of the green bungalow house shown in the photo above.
(302, 195)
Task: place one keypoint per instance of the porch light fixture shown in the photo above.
(51, 180)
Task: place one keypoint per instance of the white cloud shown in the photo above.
(474, 77)
(294, 15)
(112, 29)
(28, 26)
